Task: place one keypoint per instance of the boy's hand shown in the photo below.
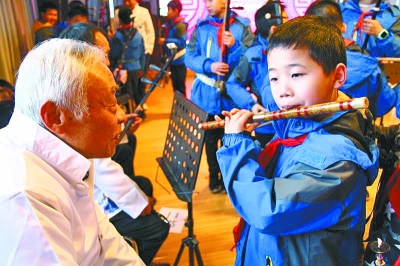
(161, 41)
(228, 39)
(219, 68)
(372, 27)
(236, 121)
(257, 108)
(136, 123)
(121, 75)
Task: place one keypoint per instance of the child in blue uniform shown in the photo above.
(302, 198)
(365, 78)
(127, 50)
(384, 40)
(203, 57)
(174, 31)
(252, 68)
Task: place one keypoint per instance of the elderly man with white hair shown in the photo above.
(64, 96)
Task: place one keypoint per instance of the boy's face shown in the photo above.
(216, 7)
(297, 80)
(130, 3)
(50, 16)
(172, 13)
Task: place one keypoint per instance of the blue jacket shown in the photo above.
(250, 72)
(176, 33)
(134, 56)
(365, 79)
(311, 209)
(203, 50)
(387, 16)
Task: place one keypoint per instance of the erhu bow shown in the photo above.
(161, 72)
(376, 10)
(221, 80)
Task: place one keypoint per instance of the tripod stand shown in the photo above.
(181, 160)
(190, 241)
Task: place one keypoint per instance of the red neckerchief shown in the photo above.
(124, 27)
(221, 31)
(360, 23)
(265, 157)
(348, 42)
(270, 150)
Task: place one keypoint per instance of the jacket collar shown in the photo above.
(27, 134)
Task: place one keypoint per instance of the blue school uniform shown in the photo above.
(310, 207)
(250, 72)
(203, 50)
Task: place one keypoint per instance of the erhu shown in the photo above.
(221, 80)
(153, 84)
(303, 111)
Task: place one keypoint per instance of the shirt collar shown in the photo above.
(62, 158)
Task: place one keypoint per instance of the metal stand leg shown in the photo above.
(190, 241)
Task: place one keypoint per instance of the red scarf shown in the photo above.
(360, 23)
(124, 27)
(221, 31)
(265, 157)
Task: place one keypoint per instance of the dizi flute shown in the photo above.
(302, 111)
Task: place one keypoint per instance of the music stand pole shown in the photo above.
(190, 241)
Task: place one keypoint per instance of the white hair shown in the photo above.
(56, 71)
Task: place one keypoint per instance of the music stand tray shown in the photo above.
(181, 160)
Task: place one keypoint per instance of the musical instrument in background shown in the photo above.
(303, 111)
(161, 72)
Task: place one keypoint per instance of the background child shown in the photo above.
(203, 56)
(175, 32)
(127, 50)
(365, 77)
(252, 68)
(384, 40)
(304, 206)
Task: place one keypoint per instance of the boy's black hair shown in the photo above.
(124, 15)
(82, 32)
(320, 36)
(327, 9)
(175, 4)
(48, 5)
(77, 10)
(267, 16)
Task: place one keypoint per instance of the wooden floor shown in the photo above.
(214, 216)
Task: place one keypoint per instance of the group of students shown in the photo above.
(131, 45)
(301, 198)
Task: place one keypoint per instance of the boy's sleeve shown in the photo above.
(240, 46)
(193, 57)
(391, 45)
(180, 36)
(313, 198)
(150, 33)
(237, 83)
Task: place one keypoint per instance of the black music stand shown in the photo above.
(181, 160)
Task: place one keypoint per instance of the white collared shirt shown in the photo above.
(47, 213)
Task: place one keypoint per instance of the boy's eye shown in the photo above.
(296, 75)
(273, 79)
